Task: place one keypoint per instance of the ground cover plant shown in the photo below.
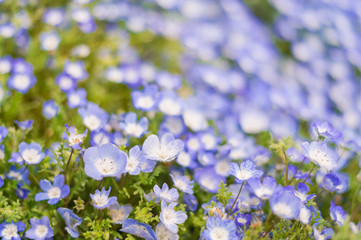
(180, 119)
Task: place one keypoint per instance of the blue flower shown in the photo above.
(5, 64)
(132, 128)
(163, 232)
(65, 82)
(54, 16)
(2, 151)
(164, 150)
(20, 191)
(325, 234)
(336, 182)
(31, 153)
(100, 137)
(191, 202)
(301, 192)
(166, 194)
(101, 200)
(120, 213)
(74, 139)
(136, 228)
(321, 155)
(104, 161)
(208, 179)
(326, 130)
(50, 109)
(183, 183)
(170, 103)
(1, 182)
(93, 116)
(72, 221)
(265, 189)
(21, 66)
(54, 192)
(3, 133)
(217, 228)
(21, 82)
(16, 158)
(285, 205)
(173, 125)
(77, 98)
(25, 125)
(49, 41)
(10, 231)
(243, 219)
(337, 214)
(40, 229)
(135, 160)
(76, 70)
(20, 174)
(170, 218)
(147, 99)
(245, 171)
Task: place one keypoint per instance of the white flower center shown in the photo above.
(106, 166)
(282, 209)
(10, 231)
(31, 156)
(145, 102)
(169, 215)
(54, 192)
(132, 164)
(74, 98)
(65, 83)
(21, 81)
(244, 175)
(182, 185)
(100, 200)
(134, 129)
(92, 122)
(41, 231)
(223, 167)
(118, 215)
(170, 107)
(219, 233)
(74, 70)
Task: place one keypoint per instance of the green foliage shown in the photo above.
(10, 210)
(223, 195)
(99, 229)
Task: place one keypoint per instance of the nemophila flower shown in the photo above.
(77, 98)
(183, 183)
(163, 232)
(101, 199)
(170, 218)
(243, 219)
(285, 205)
(301, 192)
(191, 202)
(3, 133)
(119, 213)
(100, 137)
(166, 194)
(20, 174)
(325, 129)
(209, 140)
(135, 159)
(320, 154)
(206, 158)
(16, 158)
(76, 70)
(50, 109)
(208, 179)
(164, 150)
(195, 119)
(1, 182)
(325, 234)
(336, 182)
(20, 66)
(265, 189)
(21, 82)
(72, 221)
(136, 228)
(305, 215)
(7, 30)
(119, 140)
(40, 229)
(355, 228)
(131, 127)
(49, 41)
(2, 151)
(24, 125)
(245, 171)
(74, 139)
(5, 64)
(31, 153)
(187, 160)
(218, 228)
(104, 161)
(173, 125)
(54, 192)
(337, 214)
(253, 120)
(114, 74)
(294, 155)
(148, 166)
(170, 103)
(168, 81)
(54, 16)
(10, 231)
(65, 82)
(147, 99)
(21, 192)
(93, 116)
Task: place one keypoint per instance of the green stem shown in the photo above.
(67, 164)
(235, 200)
(285, 159)
(309, 174)
(299, 167)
